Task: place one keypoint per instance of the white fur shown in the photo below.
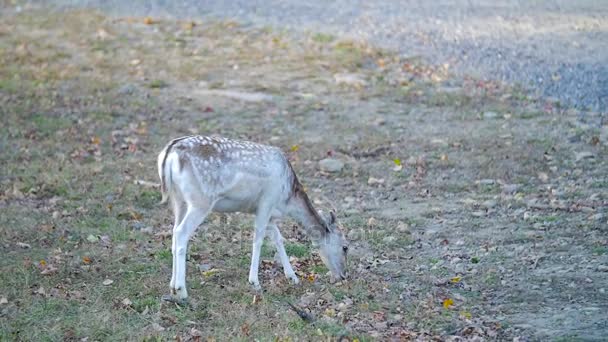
(238, 177)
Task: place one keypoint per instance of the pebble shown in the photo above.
(489, 204)
(127, 89)
(372, 181)
(331, 165)
(350, 79)
(510, 188)
(583, 155)
(602, 268)
(490, 115)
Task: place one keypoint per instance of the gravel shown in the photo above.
(555, 48)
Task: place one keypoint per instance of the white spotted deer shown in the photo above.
(203, 174)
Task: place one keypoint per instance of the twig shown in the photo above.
(146, 183)
(305, 316)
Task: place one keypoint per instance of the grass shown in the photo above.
(75, 146)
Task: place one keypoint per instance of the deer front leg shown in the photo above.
(261, 221)
(277, 238)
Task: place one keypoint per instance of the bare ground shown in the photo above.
(474, 210)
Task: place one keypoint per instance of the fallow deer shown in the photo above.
(202, 174)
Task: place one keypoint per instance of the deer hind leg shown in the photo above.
(277, 238)
(179, 210)
(181, 234)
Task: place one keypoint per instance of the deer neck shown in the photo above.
(306, 215)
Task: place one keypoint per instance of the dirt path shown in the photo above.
(473, 210)
(556, 48)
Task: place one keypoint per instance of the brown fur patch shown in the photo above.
(205, 151)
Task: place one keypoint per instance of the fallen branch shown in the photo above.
(146, 183)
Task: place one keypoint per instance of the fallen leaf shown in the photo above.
(86, 260)
(455, 280)
(148, 21)
(49, 269)
(195, 332)
(210, 272)
(295, 148)
(448, 302)
(95, 140)
(311, 277)
(256, 299)
(245, 329)
(466, 314)
(42, 263)
(108, 282)
(397, 161)
(127, 302)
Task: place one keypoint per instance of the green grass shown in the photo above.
(323, 38)
(297, 250)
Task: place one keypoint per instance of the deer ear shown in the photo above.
(332, 217)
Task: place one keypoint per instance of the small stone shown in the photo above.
(204, 267)
(381, 326)
(108, 282)
(583, 155)
(487, 181)
(157, 327)
(489, 203)
(602, 268)
(597, 217)
(148, 230)
(355, 80)
(372, 181)
(128, 89)
(478, 213)
(543, 176)
(403, 227)
(3, 300)
(331, 165)
(195, 332)
(510, 188)
(490, 115)
(127, 302)
(24, 245)
(389, 239)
